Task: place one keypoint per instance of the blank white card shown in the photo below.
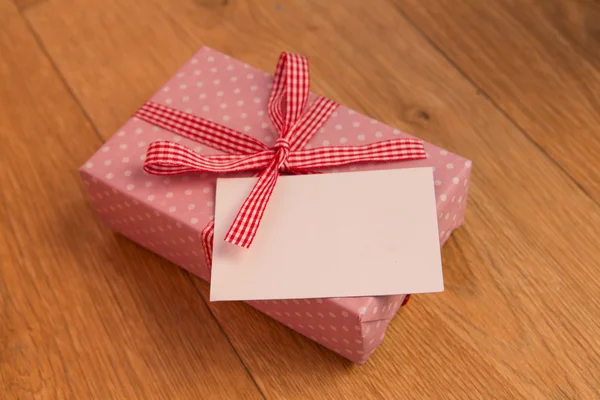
(331, 235)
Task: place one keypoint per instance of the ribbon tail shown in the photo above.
(208, 234)
(244, 227)
(406, 299)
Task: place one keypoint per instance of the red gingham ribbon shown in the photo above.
(296, 124)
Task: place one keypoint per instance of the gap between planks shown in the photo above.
(24, 5)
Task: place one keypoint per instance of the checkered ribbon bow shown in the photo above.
(296, 123)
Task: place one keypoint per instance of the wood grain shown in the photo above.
(85, 314)
(519, 315)
(23, 4)
(538, 60)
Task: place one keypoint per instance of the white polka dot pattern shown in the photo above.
(167, 215)
(338, 324)
(142, 223)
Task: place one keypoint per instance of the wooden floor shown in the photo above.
(513, 85)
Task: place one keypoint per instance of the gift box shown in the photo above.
(169, 214)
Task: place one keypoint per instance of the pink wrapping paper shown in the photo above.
(167, 215)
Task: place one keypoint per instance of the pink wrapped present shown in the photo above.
(168, 214)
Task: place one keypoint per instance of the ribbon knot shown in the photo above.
(282, 148)
(282, 144)
(296, 124)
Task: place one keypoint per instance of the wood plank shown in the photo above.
(538, 60)
(507, 325)
(83, 313)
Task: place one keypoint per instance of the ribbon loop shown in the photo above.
(290, 83)
(296, 124)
